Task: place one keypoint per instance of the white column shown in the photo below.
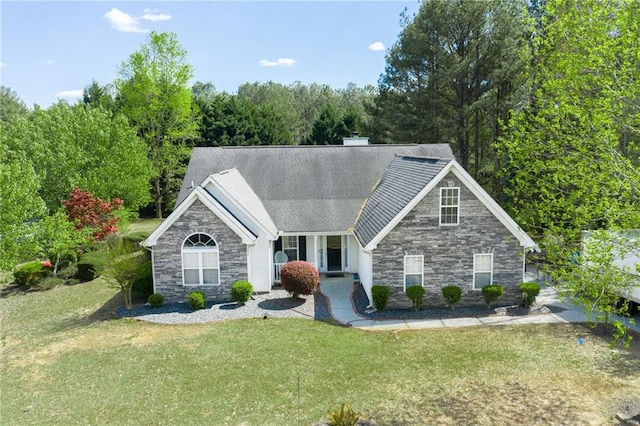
(315, 252)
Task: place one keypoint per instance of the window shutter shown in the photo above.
(302, 247)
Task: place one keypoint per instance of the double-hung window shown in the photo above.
(482, 270)
(290, 246)
(413, 270)
(449, 206)
(200, 261)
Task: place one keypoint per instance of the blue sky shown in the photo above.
(52, 50)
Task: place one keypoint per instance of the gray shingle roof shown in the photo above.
(402, 181)
(307, 188)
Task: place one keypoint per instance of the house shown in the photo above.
(397, 215)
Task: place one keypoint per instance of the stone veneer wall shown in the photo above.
(167, 255)
(448, 250)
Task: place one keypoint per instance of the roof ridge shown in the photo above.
(425, 157)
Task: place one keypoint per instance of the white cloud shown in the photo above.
(155, 17)
(50, 62)
(69, 94)
(3, 65)
(377, 46)
(124, 22)
(280, 62)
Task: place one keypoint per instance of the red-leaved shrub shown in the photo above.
(87, 211)
(299, 277)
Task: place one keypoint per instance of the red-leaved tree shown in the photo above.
(96, 214)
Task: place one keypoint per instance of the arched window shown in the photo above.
(200, 262)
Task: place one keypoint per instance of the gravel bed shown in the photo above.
(276, 304)
(360, 301)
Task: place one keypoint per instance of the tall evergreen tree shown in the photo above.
(452, 76)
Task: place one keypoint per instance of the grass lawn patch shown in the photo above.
(65, 360)
(143, 225)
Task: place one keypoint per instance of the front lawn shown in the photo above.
(65, 360)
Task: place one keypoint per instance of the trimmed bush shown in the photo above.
(299, 277)
(492, 293)
(529, 293)
(155, 300)
(67, 259)
(380, 296)
(344, 416)
(143, 285)
(415, 294)
(91, 265)
(28, 273)
(452, 295)
(196, 300)
(241, 292)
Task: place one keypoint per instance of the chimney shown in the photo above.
(355, 140)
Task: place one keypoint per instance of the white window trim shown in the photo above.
(457, 206)
(285, 247)
(476, 271)
(404, 281)
(200, 251)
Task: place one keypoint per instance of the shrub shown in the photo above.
(415, 294)
(143, 284)
(529, 293)
(68, 272)
(344, 416)
(48, 283)
(380, 296)
(91, 265)
(67, 259)
(196, 300)
(136, 237)
(299, 277)
(452, 295)
(155, 300)
(28, 273)
(241, 292)
(492, 293)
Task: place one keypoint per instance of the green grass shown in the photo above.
(65, 360)
(143, 225)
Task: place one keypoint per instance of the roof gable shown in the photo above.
(198, 193)
(370, 242)
(401, 183)
(231, 190)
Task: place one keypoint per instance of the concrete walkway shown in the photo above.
(338, 291)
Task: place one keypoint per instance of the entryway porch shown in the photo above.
(329, 253)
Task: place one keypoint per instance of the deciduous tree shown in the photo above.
(569, 162)
(88, 213)
(71, 146)
(19, 204)
(153, 92)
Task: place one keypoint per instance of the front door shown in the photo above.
(334, 253)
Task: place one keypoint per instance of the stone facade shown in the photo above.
(167, 255)
(448, 250)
